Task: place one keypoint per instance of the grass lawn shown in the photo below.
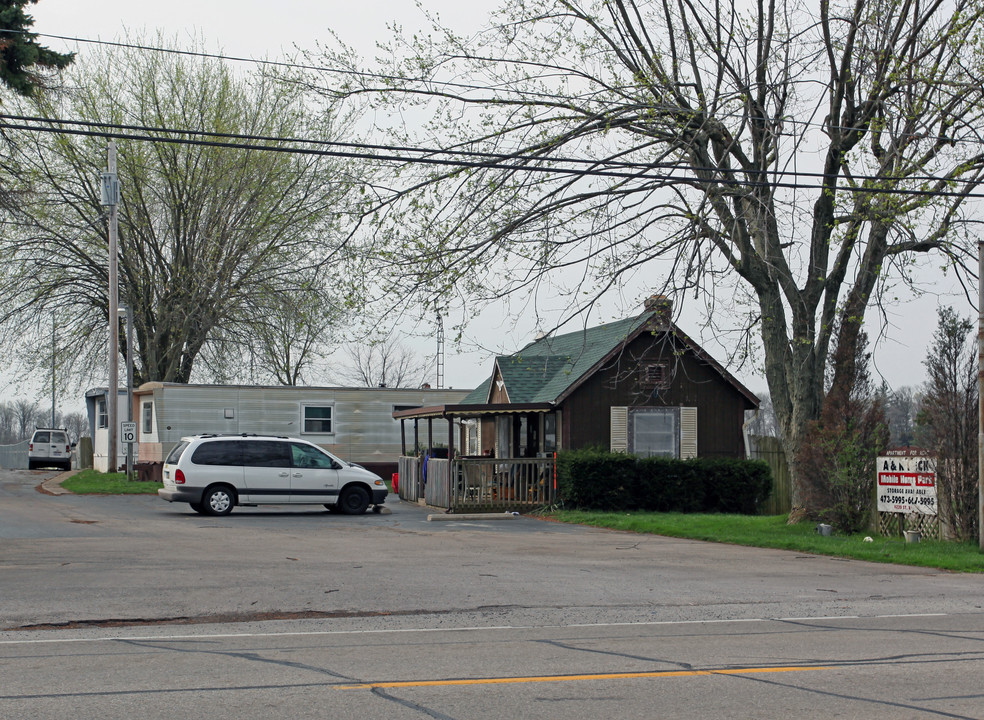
(90, 482)
(773, 532)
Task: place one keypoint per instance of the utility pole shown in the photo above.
(111, 198)
(980, 394)
(54, 345)
(440, 351)
(129, 385)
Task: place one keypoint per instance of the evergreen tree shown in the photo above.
(21, 57)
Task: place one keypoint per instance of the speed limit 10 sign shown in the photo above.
(128, 432)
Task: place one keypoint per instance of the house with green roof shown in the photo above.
(638, 385)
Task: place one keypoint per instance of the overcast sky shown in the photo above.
(261, 29)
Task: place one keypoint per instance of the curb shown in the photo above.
(472, 516)
(52, 486)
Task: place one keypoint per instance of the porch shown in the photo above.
(480, 484)
(509, 467)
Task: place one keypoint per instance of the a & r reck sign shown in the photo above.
(907, 484)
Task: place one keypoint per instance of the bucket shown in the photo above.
(912, 536)
(824, 529)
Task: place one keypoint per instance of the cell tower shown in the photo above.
(440, 351)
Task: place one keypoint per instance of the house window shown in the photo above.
(472, 445)
(654, 431)
(147, 413)
(102, 417)
(550, 433)
(318, 419)
(656, 375)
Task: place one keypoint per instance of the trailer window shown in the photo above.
(318, 419)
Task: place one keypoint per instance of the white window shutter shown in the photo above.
(620, 429)
(688, 432)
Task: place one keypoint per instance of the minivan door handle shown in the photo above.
(285, 474)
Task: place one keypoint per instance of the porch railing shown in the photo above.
(410, 480)
(488, 484)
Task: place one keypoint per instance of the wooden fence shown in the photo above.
(770, 450)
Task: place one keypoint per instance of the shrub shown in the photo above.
(596, 479)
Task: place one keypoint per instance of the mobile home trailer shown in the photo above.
(355, 423)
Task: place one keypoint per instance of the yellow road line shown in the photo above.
(569, 678)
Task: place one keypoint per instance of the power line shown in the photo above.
(448, 158)
(385, 77)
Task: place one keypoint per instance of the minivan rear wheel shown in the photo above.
(218, 501)
(354, 500)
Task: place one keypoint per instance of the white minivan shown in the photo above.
(214, 473)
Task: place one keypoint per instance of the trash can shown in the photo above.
(149, 471)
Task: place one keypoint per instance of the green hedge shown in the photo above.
(593, 479)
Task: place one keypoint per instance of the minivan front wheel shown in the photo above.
(218, 501)
(354, 500)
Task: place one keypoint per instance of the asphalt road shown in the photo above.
(128, 606)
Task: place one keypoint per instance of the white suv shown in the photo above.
(49, 447)
(214, 473)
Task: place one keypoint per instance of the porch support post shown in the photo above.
(403, 437)
(450, 437)
(430, 432)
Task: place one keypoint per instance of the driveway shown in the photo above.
(125, 559)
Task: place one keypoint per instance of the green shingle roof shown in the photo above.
(543, 370)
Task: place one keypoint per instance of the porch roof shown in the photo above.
(474, 410)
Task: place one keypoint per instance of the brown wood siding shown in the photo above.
(498, 395)
(693, 383)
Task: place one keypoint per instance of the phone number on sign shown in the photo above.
(906, 500)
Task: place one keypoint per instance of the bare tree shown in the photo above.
(763, 421)
(8, 424)
(787, 159)
(209, 232)
(900, 411)
(75, 423)
(839, 456)
(26, 414)
(384, 363)
(949, 419)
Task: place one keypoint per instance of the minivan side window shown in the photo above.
(175, 454)
(220, 452)
(306, 456)
(264, 453)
